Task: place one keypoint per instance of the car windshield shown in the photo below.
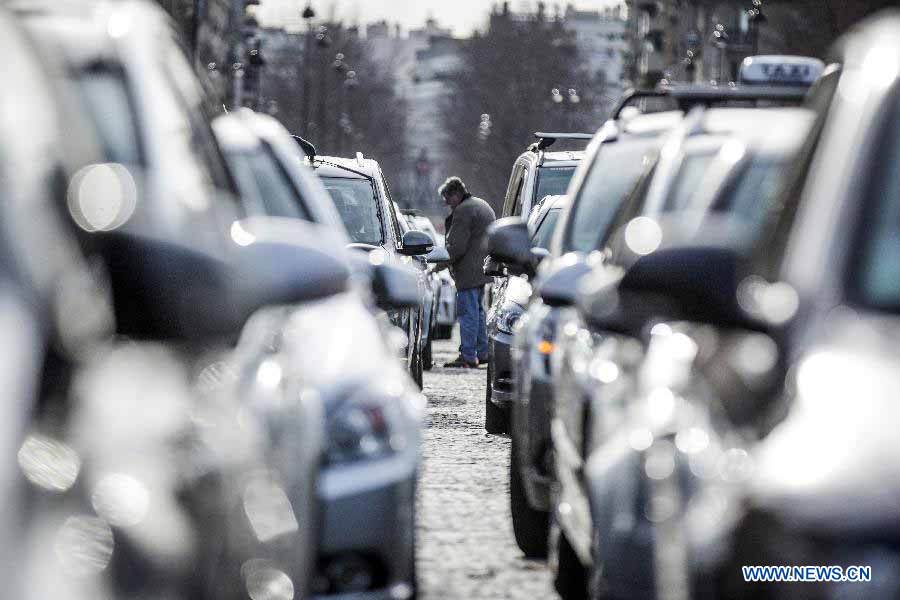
(616, 169)
(105, 98)
(544, 233)
(553, 181)
(357, 204)
(265, 187)
(878, 278)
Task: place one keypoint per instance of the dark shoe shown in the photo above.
(461, 363)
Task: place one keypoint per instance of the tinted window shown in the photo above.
(553, 181)
(544, 233)
(356, 202)
(878, 276)
(107, 104)
(616, 170)
(264, 186)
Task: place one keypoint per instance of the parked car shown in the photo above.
(372, 413)
(362, 197)
(738, 179)
(512, 292)
(432, 289)
(616, 158)
(189, 496)
(539, 172)
(819, 286)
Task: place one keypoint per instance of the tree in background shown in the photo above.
(352, 104)
(523, 75)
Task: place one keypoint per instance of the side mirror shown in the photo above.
(438, 256)
(171, 289)
(559, 287)
(509, 242)
(416, 243)
(493, 268)
(394, 286)
(695, 283)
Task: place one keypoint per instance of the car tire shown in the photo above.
(570, 579)
(427, 357)
(530, 527)
(495, 420)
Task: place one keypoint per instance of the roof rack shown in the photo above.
(545, 140)
(359, 159)
(687, 95)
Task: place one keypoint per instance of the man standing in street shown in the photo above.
(467, 245)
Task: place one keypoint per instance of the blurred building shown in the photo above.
(602, 41)
(695, 41)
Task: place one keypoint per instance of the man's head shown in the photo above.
(453, 191)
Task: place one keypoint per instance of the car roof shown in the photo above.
(350, 168)
(234, 134)
(774, 131)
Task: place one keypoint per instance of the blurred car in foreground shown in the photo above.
(147, 476)
(730, 168)
(512, 293)
(369, 448)
(818, 296)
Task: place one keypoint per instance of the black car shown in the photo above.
(362, 197)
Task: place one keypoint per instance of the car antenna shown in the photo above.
(308, 148)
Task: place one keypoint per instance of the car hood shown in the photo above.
(832, 463)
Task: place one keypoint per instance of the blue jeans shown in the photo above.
(472, 330)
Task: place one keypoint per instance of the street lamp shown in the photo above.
(756, 20)
(308, 15)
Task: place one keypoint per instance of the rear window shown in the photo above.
(553, 181)
(616, 170)
(265, 188)
(357, 204)
(104, 95)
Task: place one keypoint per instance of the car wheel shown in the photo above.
(570, 578)
(530, 527)
(494, 416)
(427, 358)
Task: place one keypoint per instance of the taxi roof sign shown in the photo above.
(780, 70)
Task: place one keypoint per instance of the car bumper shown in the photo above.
(368, 513)
(501, 382)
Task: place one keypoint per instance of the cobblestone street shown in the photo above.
(465, 544)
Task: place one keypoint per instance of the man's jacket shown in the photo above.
(467, 242)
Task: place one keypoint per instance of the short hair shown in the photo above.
(453, 185)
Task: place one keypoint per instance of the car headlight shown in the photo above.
(507, 317)
(366, 427)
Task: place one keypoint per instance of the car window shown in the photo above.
(544, 233)
(514, 189)
(265, 188)
(690, 175)
(616, 169)
(202, 139)
(877, 280)
(748, 197)
(356, 202)
(520, 195)
(107, 104)
(553, 181)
